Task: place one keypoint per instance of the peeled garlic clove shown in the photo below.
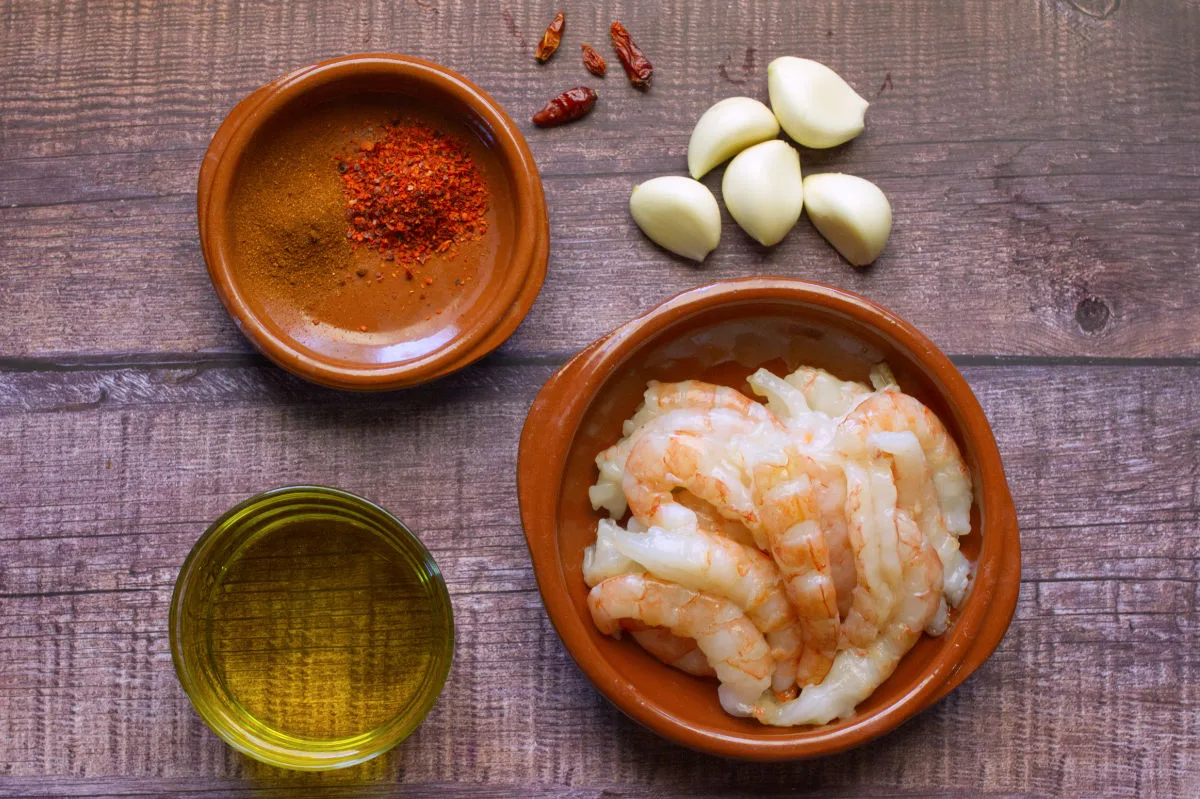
(726, 129)
(852, 213)
(814, 105)
(678, 214)
(764, 190)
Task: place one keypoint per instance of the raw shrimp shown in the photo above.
(787, 501)
(871, 508)
(813, 429)
(732, 644)
(829, 484)
(707, 518)
(916, 494)
(717, 566)
(857, 673)
(707, 453)
(661, 399)
(602, 559)
(825, 393)
(783, 399)
(892, 411)
(681, 653)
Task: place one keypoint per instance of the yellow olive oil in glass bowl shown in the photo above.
(311, 629)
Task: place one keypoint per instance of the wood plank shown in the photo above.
(313, 786)
(1093, 691)
(1041, 158)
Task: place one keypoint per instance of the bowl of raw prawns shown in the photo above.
(768, 519)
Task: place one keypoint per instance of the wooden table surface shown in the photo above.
(1042, 160)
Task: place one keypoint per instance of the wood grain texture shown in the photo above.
(1093, 691)
(1042, 160)
(1042, 157)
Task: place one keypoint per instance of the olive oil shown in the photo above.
(322, 630)
(311, 630)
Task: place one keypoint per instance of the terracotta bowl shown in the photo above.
(509, 265)
(722, 333)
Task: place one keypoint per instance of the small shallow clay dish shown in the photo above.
(400, 347)
(722, 333)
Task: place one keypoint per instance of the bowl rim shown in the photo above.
(550, 429)
(323, 756)
(516, 285)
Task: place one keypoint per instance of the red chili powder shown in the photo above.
(413, 192)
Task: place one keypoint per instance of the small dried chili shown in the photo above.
(412, 193)
(566, 107)
(637, 66)
(594, 61)
(551, 38)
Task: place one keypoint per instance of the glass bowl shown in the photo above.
(311, 629)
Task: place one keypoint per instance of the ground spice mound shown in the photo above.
(412, 192)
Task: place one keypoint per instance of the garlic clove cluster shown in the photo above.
(727, 128)
(813, 104)
(678, 214)
(763, 186)
(853, 214)
(764, 190)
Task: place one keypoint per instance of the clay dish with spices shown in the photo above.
(372, 222)
(722, 333)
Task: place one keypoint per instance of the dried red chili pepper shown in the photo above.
(637, 66)
(566, 107)
(594, 61)
(551, 38)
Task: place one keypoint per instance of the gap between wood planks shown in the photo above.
(68, 362)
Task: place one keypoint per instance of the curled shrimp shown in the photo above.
(732, 645)
(856, 673)
(786, 498)
(825, 393)
(916, 494)
(680, 653)
(871, 511)
(707, 453)
(603, 559)
(715, 565)
(829, 484)
(892, 411)
(707, 518)
(661, 399)
(810, 429)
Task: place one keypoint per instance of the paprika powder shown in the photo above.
(411, 193)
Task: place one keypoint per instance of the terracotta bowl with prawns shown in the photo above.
(722, 333)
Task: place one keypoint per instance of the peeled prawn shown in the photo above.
(825, 393)
(709, 454)
(871, 508)
(916, 494)
(705, 562)
(813, 429)
(681, 653)
(856, 673)
(829, 485)
(602, 559)
(732, 644)
(787, 501)
(892, 411)
(660, 399)
(707, 518)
